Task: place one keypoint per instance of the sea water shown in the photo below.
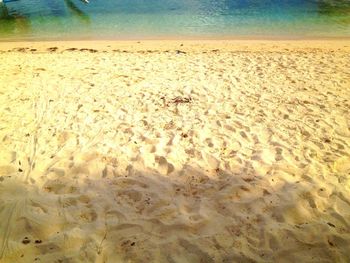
(154, 19)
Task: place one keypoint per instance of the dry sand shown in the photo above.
(169, 151)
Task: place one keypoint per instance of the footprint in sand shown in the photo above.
(278, 156)
(211, 161)
(164, 167)
(342, 164)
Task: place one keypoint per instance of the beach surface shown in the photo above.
(175, 151)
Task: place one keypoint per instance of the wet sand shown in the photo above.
(175, 151)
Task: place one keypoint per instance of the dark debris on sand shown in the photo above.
(178, 100)
(89, 50)
(52, 49)
(180, 52)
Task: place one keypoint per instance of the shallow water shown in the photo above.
(128, 19)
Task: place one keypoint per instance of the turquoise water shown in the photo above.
(143, 19)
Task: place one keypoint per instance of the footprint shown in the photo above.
(88, 215)
(164, 167)
(342, 164)
(243, 134)
(211, 161)
(133, 195)
(60, 172)
(278, 156)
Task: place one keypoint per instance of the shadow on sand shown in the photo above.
(92, 213)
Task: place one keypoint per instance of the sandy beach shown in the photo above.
(175, 151)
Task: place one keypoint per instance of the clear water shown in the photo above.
(131, 19)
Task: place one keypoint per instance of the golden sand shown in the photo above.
(175, 151)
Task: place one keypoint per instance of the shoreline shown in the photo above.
(189, 45)
(179, 38)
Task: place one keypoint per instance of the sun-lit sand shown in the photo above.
(175, 151)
